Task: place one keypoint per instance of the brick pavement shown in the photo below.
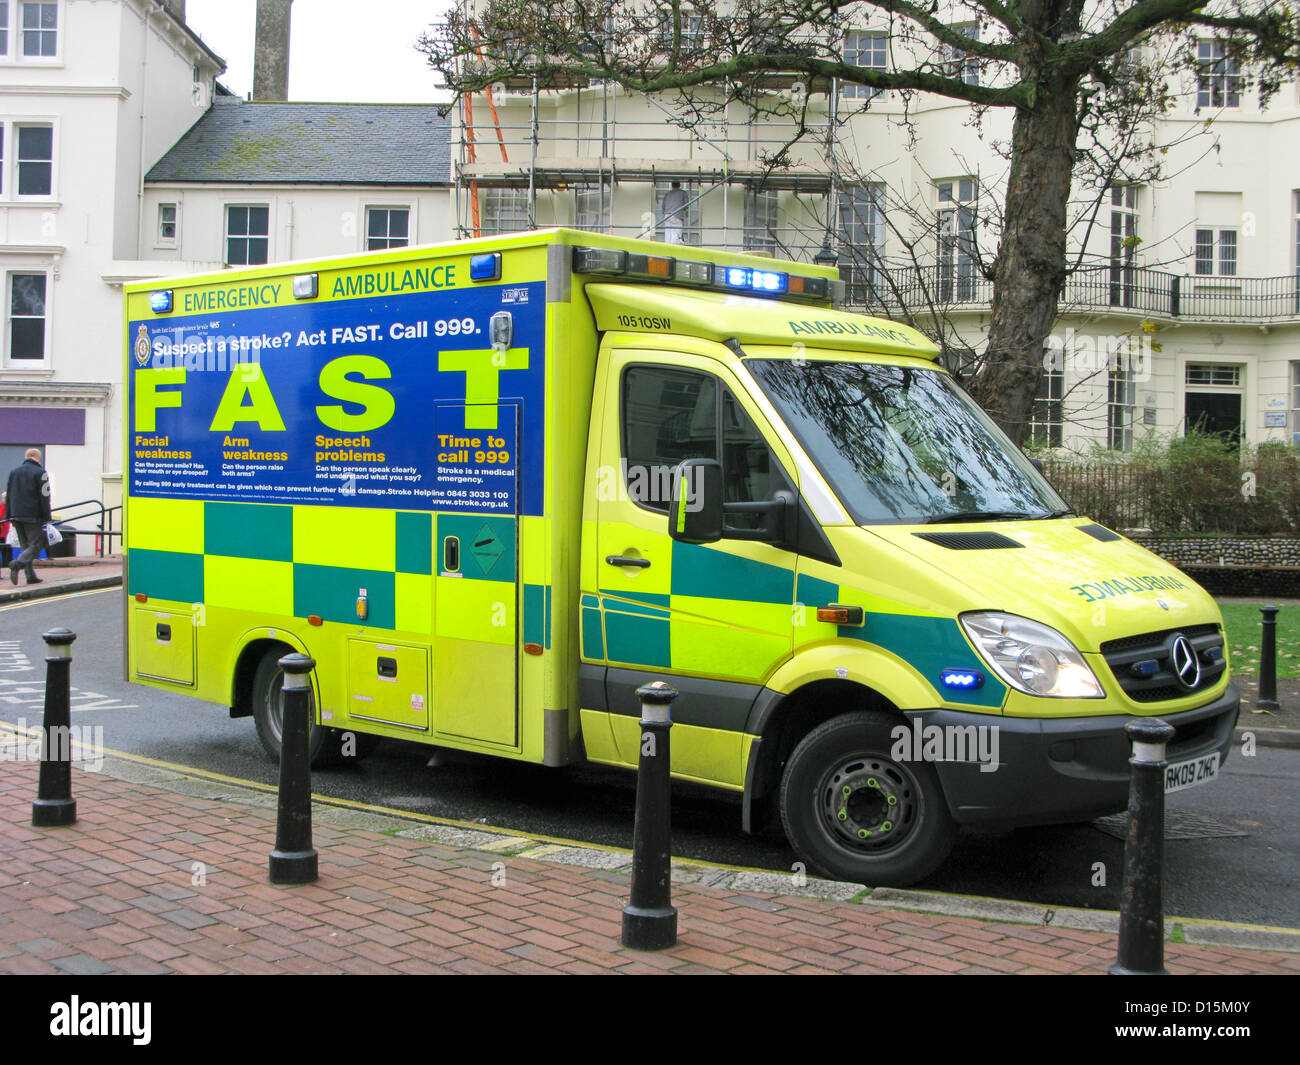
(151, 881)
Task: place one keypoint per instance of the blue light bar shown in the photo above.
(160, 302)
(768, 282)
(486, 267)
(962, 679)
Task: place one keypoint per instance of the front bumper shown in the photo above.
(1056, 771)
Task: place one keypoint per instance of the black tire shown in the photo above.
(855, 814)
(325, 744)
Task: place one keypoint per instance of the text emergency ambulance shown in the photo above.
(493, 487)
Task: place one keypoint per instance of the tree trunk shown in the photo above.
(1030, 269)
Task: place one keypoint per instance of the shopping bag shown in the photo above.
(11, 537)
(53, 535)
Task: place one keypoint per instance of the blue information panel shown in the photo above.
(398, 402)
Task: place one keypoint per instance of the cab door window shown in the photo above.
(669, 416)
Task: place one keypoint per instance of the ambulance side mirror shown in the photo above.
(695, 511)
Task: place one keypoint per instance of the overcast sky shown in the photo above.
(339, 49)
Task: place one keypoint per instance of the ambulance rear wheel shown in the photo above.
(326, 745)
(856, 814)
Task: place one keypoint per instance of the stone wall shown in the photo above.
(1234, 565)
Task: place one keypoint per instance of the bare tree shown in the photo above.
(1081, 101)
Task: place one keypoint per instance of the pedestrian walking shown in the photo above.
(27, 503)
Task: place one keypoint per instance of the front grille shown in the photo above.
(1159, 683)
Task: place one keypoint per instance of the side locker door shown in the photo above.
(476, 600)
(723, 612)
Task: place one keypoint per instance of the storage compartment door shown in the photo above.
(388, 683)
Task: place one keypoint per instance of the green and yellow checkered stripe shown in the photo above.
(296, 561)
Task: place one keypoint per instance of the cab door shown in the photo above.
(716, 619)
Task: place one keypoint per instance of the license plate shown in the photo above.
(1182, 775)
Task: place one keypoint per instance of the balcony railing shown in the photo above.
(1135, 290)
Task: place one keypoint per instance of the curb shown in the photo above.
(1270, 737)
(18, 595)
(617, 862)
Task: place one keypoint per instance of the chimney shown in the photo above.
(271, 51)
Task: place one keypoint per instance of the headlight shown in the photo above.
(1031, 657)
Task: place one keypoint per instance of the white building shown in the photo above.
(92, 92)
(1185, 308)
(121, 158)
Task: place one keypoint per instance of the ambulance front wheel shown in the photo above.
(855, 813)
(327, 745)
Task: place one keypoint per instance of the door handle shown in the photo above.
(619, 560)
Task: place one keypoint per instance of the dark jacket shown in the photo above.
(28, 496)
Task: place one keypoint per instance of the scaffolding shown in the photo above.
(596, 151)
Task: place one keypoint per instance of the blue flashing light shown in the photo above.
(1146, 668)
(772, 281)
(962, 679)
(160, 302)
(767, 282)
(486, 267)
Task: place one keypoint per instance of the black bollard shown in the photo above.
(1267, 699)
(649, 920)
(294, 861)
(1142, 915)
(54, 803)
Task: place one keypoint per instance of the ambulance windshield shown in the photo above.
(904, 445)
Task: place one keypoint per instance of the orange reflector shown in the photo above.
(532, 648)
(363, 608)
(836, 615)
(656, 266)
(796, 284)
(140, 597)
(315, 619)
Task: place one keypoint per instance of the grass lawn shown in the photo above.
(1241, 620)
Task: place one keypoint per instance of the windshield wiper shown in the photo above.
(1066, 513)
(978, 515)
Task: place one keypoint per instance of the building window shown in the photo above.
(1220, 375)
(1295, 403)
(761, 220)
(1216, 252)
(955, 220)
(387, 227)
(247, 235)
(1047, 419)
(1120, 403)
(682, 223)
(505, 211)
(959, 64)
(40, 30)
(1218, 81)
(864, 50)
(1123, 244)
(692, 31)
(25, 332)
(35, 160)
(4, 28)
(862, 239)
(167, 224)
(593, 207)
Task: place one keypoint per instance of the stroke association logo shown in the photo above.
(143, 349)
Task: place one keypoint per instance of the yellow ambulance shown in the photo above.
(493, 487)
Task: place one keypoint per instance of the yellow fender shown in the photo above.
(268, 633)
(872, 667)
